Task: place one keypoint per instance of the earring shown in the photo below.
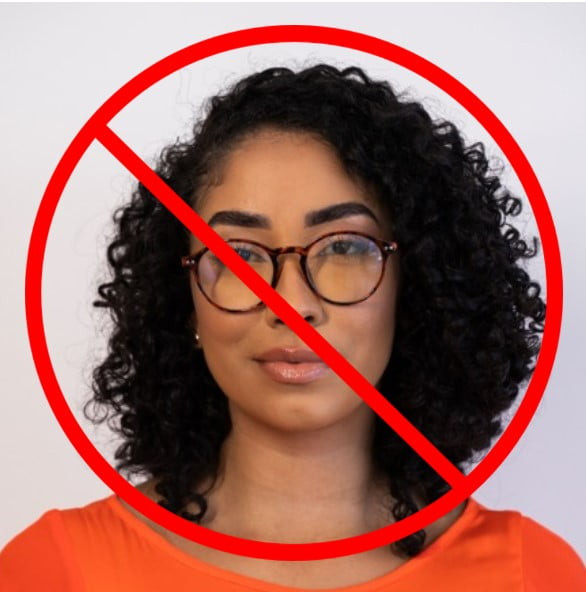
(196, 340)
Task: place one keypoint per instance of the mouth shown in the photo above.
(293, 372)
(292, 365)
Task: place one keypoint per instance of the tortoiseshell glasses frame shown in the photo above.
(386, 249)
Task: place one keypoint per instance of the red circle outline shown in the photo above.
(284, 34)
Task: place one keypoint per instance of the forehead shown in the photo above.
(283, 175)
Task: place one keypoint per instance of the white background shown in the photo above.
(58, 63)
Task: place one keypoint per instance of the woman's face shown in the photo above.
(282, 177)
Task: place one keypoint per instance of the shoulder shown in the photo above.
(549, 562)
(545, 560)
(37, 556)
(43, 554)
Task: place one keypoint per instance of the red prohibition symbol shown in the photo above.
(96, 129)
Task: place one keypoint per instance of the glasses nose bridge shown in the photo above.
(276, 253)
(287, 250)
(292, 250)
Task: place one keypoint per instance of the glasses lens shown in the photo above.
(345, 268)
(225, 288)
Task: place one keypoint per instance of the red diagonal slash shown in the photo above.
(190, 219)
(246, 547)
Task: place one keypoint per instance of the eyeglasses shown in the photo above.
(340, 267)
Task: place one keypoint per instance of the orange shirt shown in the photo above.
(103, 547)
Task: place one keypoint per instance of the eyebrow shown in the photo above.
(314, 218)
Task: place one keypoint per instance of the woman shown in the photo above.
(408, 266)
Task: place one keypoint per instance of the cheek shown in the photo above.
(223, 343)
(222, 334)
(363, 333)
(374, 327)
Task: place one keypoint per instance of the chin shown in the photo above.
(294, 410)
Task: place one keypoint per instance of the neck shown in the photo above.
(297, 486)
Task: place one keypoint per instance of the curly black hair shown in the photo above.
(468, 318)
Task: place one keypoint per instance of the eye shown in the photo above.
(250, 255)
(346, 246)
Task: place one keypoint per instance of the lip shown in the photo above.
(292, 365)
(293, 355)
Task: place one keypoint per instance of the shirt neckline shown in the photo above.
(448, 537)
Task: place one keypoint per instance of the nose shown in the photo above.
(293, 287)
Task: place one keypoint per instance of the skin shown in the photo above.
(296, 466)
